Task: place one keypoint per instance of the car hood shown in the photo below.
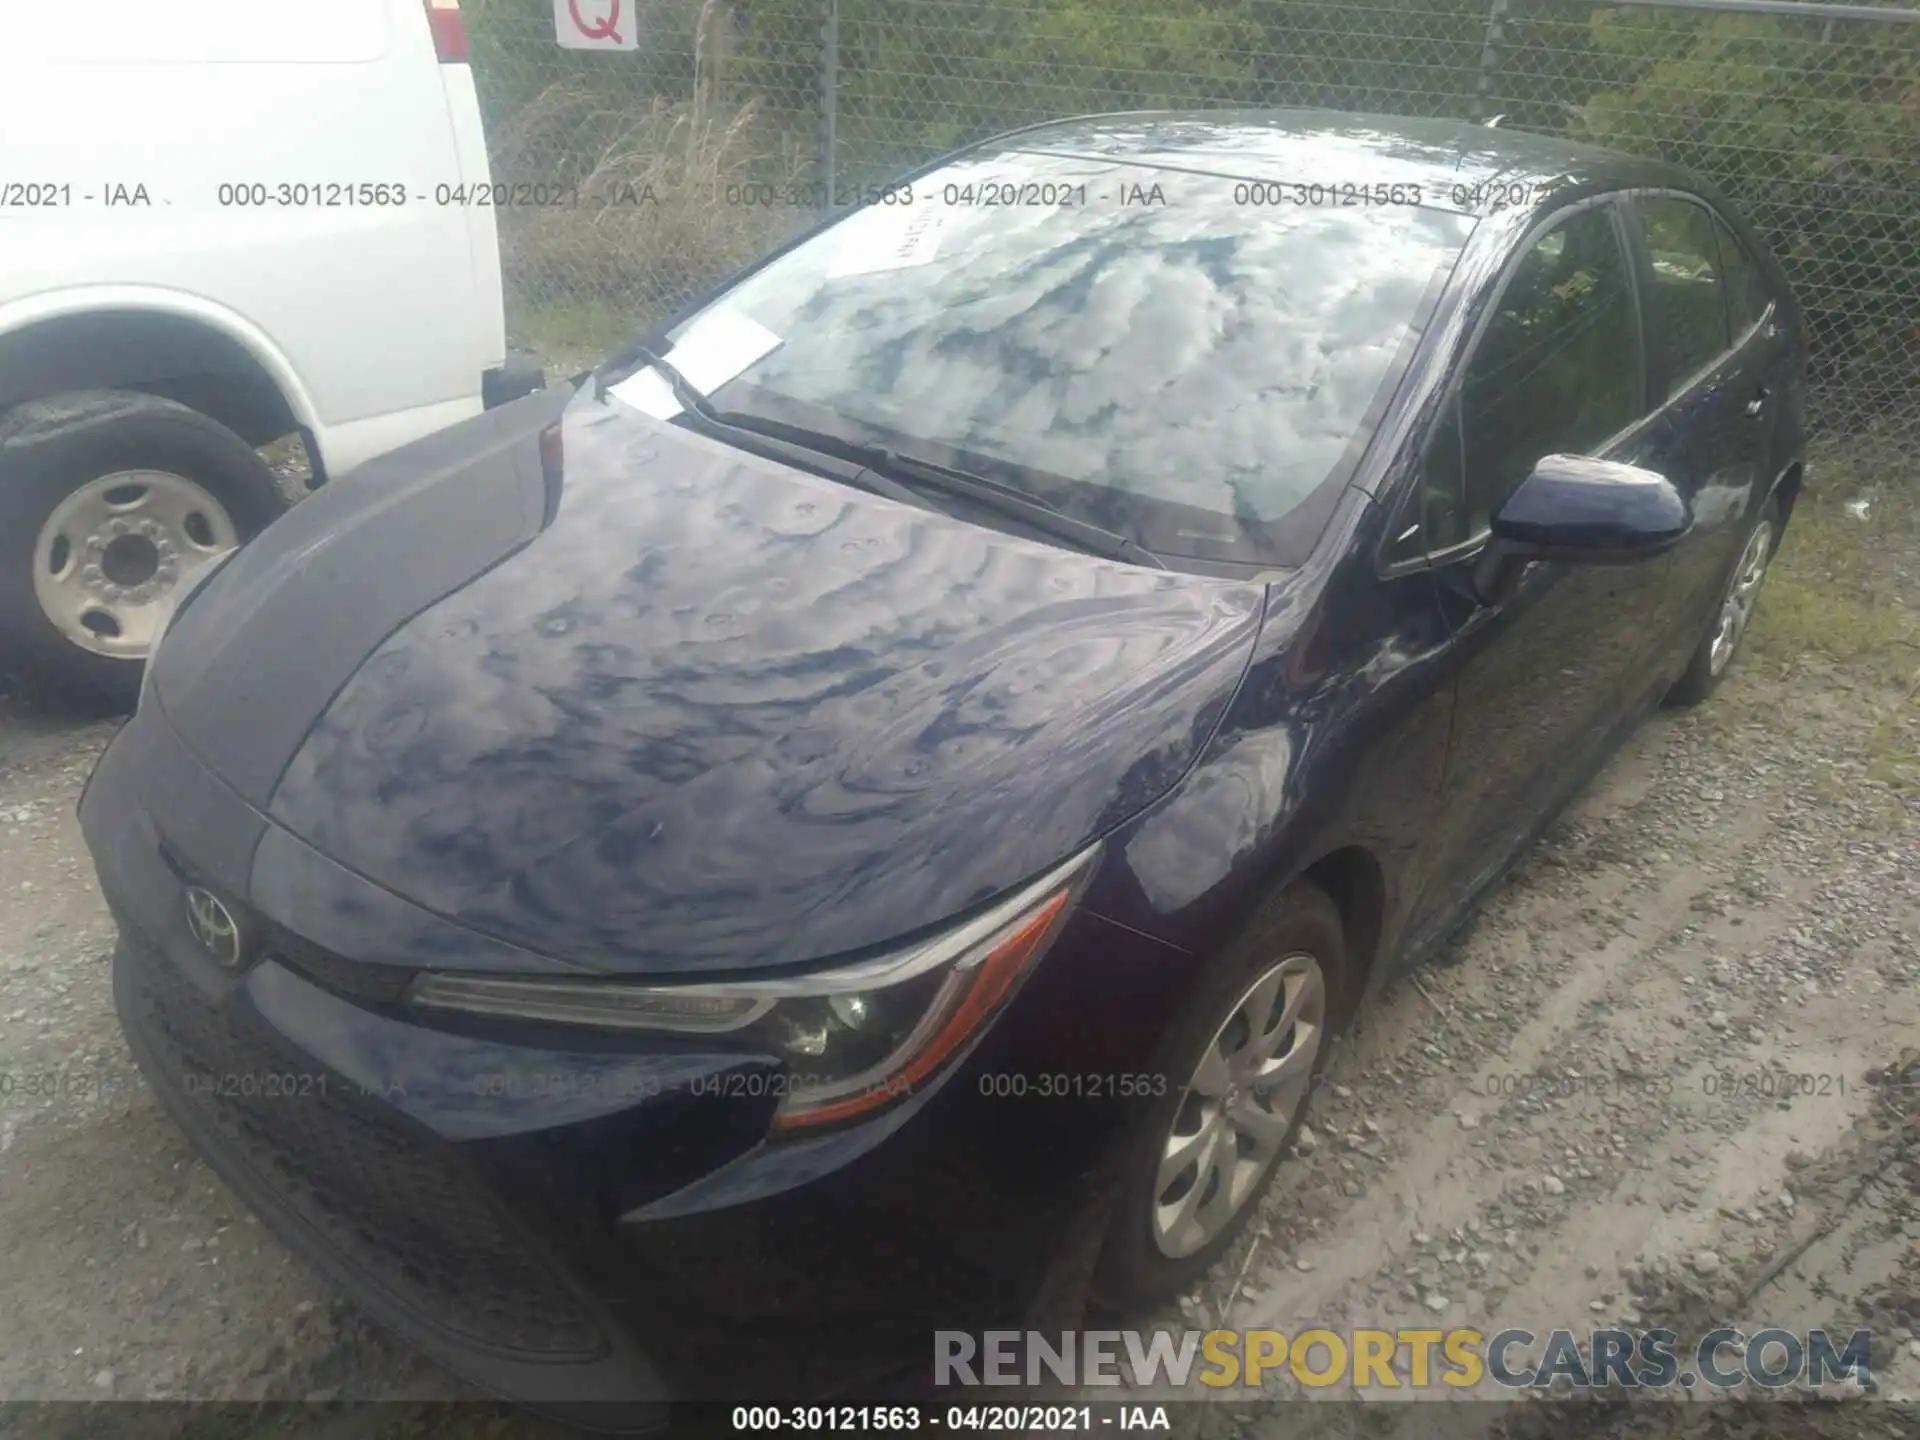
(706, 712)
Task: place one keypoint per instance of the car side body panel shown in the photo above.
(1337, 740)
(1421, 767)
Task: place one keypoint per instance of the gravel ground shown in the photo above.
(1554, 1126)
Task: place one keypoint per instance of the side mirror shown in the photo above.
(1585, 512)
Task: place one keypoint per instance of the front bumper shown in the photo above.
(566, 1226)
(396, 1220)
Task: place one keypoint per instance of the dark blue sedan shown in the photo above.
(861, 815)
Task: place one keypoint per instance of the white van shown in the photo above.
(222, 222)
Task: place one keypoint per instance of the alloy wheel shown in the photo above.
(1742, 591)
(1239, 1105)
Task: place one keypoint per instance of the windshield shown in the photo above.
(1180, 358)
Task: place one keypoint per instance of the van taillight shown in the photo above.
(449, 31)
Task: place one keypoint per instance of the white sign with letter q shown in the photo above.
(596, 24)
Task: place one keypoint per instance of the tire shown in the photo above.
(1709, 665)
(105, 552)
(1144, 1261)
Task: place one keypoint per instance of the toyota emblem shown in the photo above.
(213, 925)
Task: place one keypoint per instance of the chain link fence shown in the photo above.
(736, 122)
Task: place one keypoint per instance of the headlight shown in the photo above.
(854, 1039)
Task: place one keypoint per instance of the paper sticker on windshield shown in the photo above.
(646, 390)
(721, 345)
(890, 239)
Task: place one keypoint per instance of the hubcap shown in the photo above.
(1742, 591)
(115, 553)
(1242, 1099)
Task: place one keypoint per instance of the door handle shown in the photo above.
(1759, 401)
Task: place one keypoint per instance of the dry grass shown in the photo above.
(654, 225)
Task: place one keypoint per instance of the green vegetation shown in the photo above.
(1840, 587)
(1841, 594)
(1812, 127)
(1814, 132)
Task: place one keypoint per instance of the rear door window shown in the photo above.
(1747, 293)
(1689, 289)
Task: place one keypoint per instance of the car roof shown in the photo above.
(1456, 162)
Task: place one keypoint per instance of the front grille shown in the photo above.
(387, 1201)
(353, 979)
(375, 984)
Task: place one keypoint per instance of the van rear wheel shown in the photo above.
(110, 502)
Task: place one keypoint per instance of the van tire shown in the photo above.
(52, 450)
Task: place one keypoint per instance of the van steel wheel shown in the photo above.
(110, 502)
(112, 556)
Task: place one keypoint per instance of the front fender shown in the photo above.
(1336, 743)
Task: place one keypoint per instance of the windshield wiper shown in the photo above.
(919, 474)
(1009, 500)
(887, 471)
(794, 449)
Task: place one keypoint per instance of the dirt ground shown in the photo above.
(1575, 1117)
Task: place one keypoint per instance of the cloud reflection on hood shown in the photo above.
(722, 713)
